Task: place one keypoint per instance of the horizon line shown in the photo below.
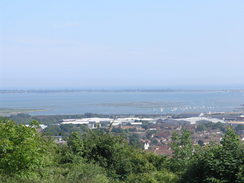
(113, 90)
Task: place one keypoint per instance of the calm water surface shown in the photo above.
(123, 102)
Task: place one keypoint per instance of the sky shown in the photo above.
(76, 44)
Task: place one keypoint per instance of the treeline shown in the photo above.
(100, 157)
(51, 119)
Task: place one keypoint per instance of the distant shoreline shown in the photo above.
(12, 111)
(124, 90)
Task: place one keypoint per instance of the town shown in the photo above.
(154, 133)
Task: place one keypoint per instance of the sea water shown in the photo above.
(124, 102)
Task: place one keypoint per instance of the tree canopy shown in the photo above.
(27, 155)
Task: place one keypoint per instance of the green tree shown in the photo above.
(134, 140)
(223, 163)
(201, 127)
(22, 149)
(35, 124)
(182, 151)
(153, 177)
(110, 152)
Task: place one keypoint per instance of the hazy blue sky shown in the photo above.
(121, 44)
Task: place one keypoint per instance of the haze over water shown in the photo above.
(122, 44)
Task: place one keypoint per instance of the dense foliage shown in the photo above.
(27, 155)
(51, 119)
(208, 125)
(218, 163)
(22, 149)
(182, 151)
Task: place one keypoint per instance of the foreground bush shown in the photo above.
(153, 177)
(113, 154)
(216, 163)
(22, 149)
(99, 157)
